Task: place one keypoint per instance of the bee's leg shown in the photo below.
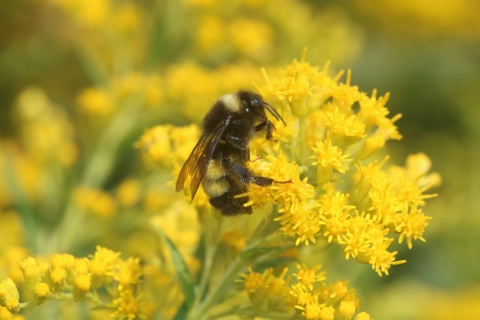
(269, 126)
(246, 177)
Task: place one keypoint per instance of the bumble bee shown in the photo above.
(220, 157)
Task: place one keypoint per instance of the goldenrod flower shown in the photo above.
(128, 307)
(58, 276)
(328, 158)
(254, 280)
(128, 273)
(9, 294)
(308, 276)
(411, 224)
(41, 291)
(81, 286)
(362, 316)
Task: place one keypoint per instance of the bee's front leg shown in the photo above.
(270, 128)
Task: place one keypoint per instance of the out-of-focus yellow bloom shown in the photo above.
(128, 192)
(90, 13)
(95, 201)
(210, 33)
(11, 258)
(127, 18)
(46, 132)
(252, 38)
(426, 18)
(234, 239)
(95, 101)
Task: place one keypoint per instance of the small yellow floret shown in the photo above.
(128, 307)
(41, 292)
(308, 276)
(128, 273)
(82, 282)
(13, 305)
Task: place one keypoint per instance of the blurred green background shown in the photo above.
(425, 53)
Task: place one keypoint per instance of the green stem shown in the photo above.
(105, 154)
(218, 291)
(210, 248)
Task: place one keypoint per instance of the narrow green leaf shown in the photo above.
(255, 252)
(185, 279)
(182, 312)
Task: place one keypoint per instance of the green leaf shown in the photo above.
(185, 279)
(182, 312)
(258, 251)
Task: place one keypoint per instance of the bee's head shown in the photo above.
(253, 103)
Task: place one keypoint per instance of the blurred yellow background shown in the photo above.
(81, 80)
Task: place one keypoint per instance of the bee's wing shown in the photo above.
(197, 163)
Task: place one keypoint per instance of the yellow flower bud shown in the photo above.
(363, 316)
(346, 310)
(13, 305)
(41, 292)
(8, 290)
(81, 286)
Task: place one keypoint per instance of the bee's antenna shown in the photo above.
(274, 112)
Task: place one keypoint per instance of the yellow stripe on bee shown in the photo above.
(217, 188)
(231, 102)
(215, 170)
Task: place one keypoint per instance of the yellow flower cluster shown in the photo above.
(66, 277)
(304, 291)
(360, 210)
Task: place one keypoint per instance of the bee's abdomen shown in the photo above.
(217, 187)
(230, 206)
